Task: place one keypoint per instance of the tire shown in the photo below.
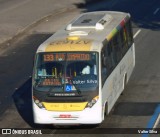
(106, 110)
(124, 83)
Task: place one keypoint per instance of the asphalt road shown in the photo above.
(135, 107)
(16, 15)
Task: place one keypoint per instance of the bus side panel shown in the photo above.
(131, 61)
(114, 84)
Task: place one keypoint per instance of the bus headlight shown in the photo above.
(92, 102)
(38, 103)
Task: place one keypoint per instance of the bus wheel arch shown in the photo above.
(105, 111)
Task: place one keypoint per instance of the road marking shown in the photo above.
(157, 122)
(155, 12)
(135, 35)
(153, 121)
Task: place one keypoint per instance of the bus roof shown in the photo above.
(86, 32)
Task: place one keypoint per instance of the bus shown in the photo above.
(82, 69)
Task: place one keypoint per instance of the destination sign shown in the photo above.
(49, 57)
(53, 57)
(78, 56)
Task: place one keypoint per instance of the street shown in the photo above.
(134, 109)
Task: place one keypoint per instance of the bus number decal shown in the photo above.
(48, 57)
(85, 42)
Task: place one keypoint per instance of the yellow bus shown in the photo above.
(81, 70)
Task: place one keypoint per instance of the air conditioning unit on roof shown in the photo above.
(95, 21)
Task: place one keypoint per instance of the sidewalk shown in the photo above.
(18, 15)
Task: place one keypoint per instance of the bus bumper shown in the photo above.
(87, 116)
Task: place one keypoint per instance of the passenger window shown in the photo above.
(129, 33)
(103, 66)
(117, 48)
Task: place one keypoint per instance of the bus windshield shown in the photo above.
(66, 72)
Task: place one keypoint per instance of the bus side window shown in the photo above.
(125, 36)
(108, 52)
(103, 67)
(106, 62)
(117, 48)
(129, 33)
(124, 41)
